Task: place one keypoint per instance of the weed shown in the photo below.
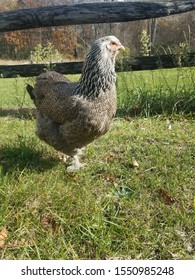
(145, 43)
(45, 54)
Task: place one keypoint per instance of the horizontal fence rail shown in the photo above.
(88, 13)
(134, 63)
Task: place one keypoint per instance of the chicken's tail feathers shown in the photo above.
(29, 89)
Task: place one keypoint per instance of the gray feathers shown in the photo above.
(71, 115)
(29, 88)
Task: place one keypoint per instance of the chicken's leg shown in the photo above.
(74, 160)
(75, 164)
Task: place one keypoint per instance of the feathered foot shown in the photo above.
(73, 161)
(75, 164)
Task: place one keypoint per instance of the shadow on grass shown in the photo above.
(14, 158)
(21, 113)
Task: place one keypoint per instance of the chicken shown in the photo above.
(71, 115)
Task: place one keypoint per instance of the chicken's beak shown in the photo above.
(121, 47)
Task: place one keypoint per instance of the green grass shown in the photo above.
(110, 209)
(148, 93)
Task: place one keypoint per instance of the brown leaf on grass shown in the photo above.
(48, 222)
(14, 244)
(3, 237)
(109, 178)
(135, 163)
(73, 176)
(167, 198)
(20, 243)
(112, 157)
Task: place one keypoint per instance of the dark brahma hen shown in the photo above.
(71, 115)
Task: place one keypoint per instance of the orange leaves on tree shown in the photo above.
(17, 39)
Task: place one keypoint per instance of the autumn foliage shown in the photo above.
(73, 41)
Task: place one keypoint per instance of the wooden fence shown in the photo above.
(89, 13)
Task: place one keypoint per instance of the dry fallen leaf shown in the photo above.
(48, 222)
(166, 197)
(3, 237)
(20, 243)
(14, 244)
(72, 176)
(112, 157)
(109, 178)
(135, 163)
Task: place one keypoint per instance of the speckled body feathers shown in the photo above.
(71, 115)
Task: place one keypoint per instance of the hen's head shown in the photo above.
(108, 46)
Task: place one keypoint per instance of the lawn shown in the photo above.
(135, 197)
